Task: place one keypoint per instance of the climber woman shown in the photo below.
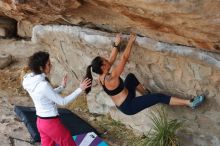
(45, 98)
(123, 92)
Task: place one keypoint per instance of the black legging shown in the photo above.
(133, 104)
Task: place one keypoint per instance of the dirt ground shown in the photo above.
(14, 133)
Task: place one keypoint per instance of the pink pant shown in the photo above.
(52, 132)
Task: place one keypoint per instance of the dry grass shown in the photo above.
(10, 82)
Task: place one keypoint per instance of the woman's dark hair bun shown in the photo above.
(38, 61)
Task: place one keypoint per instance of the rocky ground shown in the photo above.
(13, 132)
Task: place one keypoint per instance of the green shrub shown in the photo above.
(163, 132)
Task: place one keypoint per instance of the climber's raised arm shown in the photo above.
(115, 49)
(125, 56)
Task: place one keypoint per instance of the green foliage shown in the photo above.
(163, 132)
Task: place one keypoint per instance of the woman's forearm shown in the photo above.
(114, 52)
(113, 55)
(49, 93)
(59, 89)
(127, 51)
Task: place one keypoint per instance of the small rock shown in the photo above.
(91, 119)
(140, 11)
(99, 118)
(2, 32)
(5, 59)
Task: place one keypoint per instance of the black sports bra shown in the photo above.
(116, 90)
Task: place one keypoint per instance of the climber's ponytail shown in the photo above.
(96, 67)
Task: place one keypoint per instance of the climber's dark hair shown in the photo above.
(38, 61)
(96, 68)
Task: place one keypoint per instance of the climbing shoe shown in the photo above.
(196, 101)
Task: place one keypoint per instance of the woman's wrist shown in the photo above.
(80, 89)
(63, 86)
(116, 46)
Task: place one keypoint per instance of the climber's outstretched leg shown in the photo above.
(193, 103)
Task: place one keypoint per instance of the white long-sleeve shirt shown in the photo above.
(44, 96)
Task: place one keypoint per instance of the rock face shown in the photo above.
(187, 22)
(172, 69)
(166, 57)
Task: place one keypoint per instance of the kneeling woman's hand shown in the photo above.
(85, 84)
(64, 81)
